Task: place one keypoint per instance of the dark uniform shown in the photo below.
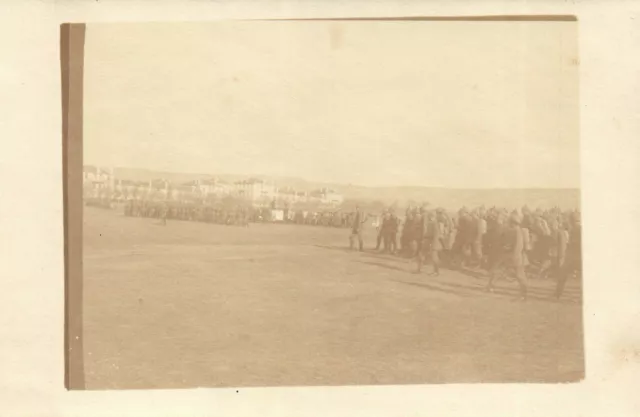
(573, 259)
(512, 256)
(357, 230)
(390, 233)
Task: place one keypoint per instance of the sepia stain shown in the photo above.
(626, 352)
(629, 354)
(336, 32)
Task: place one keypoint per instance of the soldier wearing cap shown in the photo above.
(512, 255)
(408, 230)
(390, 232)
(432, 243)
(357, 229)
(573, 261)
(380, 223)
(164, 211)
(417, 234)
(477, 231)
(464, 237)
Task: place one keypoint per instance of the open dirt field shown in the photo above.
(190, 304)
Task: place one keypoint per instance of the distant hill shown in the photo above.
(446, 197)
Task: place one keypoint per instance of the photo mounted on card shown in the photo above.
(322, 202)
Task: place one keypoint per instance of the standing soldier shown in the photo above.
(448, 234)
(512, 256)
(573, 260)
(393, 233)
(164, 211)
(407, 230)
(476, 233)
(379, 223)
(550, 246)
(418, 233)
(128, 209)
(432, 244)
(357, 228)
(494, 245)
(464, 237)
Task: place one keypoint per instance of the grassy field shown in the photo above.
(188, 305)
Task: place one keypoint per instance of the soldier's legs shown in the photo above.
(563, 276)
(417, 249)
(379, 240)
(419, 262)
(477, 253)
(387, 242)
(457, 252)
(522, 280)
(544, 268)
(494, 267)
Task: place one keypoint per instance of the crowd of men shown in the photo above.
(523, 243)
(239, 214)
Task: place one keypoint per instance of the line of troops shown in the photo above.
(189, 211)
(523, 243)
(211, 213)
(239, 215)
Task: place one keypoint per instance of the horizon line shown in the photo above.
(345, 184)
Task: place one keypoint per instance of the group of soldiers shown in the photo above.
(191, 211)
(240, 215)
(523, 243)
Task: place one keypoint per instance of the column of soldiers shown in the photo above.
(189, 211)
(209, 213)
(525, 244)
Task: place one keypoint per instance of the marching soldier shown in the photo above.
(512, 256)
(357, 228)
(164, 211)
(573, 260)
(431, 244)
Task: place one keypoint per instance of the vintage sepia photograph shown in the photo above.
(322, 203)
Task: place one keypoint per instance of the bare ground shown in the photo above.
(202, 305)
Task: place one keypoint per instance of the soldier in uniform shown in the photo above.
(391, 235)
(431, 244)
(407, 230)
(128, 208)
(512, 257)
(417, 234)
(573, 259)
(357, 229)
(164, 211)
(464, 237)
(379, 227)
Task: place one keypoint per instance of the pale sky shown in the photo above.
(447, 104)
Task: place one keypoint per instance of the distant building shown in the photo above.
(290, 196)
(96, 177)
(208, 187)
(258, 192)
